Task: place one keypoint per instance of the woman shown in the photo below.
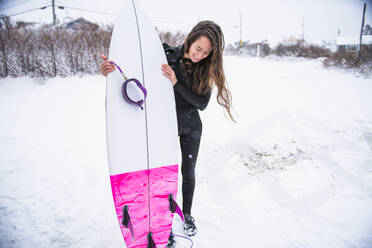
(194, 69)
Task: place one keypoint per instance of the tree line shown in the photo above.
(44, 51)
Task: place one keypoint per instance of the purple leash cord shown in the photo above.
(184, 237)
(125, 92)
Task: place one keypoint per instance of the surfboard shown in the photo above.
(142, 142)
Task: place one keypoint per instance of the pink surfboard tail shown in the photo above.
(144, 202)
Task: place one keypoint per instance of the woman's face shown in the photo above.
(200, 49)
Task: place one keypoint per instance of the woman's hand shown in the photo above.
(106, 67)
(169, 73)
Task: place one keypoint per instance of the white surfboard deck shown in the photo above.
(139, 139)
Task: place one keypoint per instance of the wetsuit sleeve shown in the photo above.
(165, 46)
(197, 101)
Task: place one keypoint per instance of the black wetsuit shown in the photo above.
(189, 124)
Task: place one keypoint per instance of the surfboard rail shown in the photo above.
(142, 143)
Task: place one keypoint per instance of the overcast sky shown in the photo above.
(270, 19)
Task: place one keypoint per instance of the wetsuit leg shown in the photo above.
(189, 142)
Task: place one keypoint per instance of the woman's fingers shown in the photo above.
(169, 73)
(107, 71)
(106, 67)
(164, 69)
(103, 56)
(167, 69)
(166, 72)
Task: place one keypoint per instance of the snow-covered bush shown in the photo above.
(301, 48)
(49, 51)
(349, 60)
(172, 39)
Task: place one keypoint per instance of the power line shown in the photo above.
(88, 10)
(21, 9)
(61, 7)
(26, 11)
(173, 22)
(9, 7)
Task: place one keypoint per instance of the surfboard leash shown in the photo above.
(184, 237)
(124, 88)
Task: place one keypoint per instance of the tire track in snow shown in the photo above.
(366, 132)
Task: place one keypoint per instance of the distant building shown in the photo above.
(351, 43)
(67, 19)
(249, 44)
(81, 23)
(258, 49)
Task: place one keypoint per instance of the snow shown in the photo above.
(294, 171)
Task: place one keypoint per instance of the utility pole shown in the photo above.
(240, 42)
(361, 36)
(303, 29)
(54, 13)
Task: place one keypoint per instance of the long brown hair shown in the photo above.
(209, 71)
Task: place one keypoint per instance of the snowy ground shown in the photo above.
(295, 171)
